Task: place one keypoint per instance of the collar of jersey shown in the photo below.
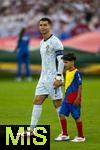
(72, 69)
(48, 37)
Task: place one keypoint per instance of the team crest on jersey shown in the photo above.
(47, 48)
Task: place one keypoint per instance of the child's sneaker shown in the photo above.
(78, 139)
(62, 138)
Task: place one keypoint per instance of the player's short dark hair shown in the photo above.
(69, 56)
(46, 19)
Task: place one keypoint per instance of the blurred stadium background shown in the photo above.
(76, 23)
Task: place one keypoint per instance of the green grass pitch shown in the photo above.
(16, 107)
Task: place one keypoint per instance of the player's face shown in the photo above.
(45, 27)
(68, 64)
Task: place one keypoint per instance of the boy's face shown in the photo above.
(68, 64)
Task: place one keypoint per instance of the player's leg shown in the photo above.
(36, 113)
(19, 67)
(27, 64)
(75, 111)
(63, 121)
(57, 105)
(62, 118)
(41, 94)
(63, 114)
(56, 95)
(79, 126)
(37, 109)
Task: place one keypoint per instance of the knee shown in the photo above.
(57, 103)
(78, 119)
(38, 100)
(62, 117)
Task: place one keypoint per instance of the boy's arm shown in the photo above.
(76, 102)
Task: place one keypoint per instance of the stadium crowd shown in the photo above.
(69, 17)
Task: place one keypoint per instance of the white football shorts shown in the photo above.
(47, 88)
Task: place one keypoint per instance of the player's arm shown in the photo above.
(17, 46)
(58, 47)
(58, 83)
(18, 42)
(59, 77)
(79, 82)
(76, 102)
(60, 64)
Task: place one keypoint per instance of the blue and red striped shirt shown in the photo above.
(72, 82)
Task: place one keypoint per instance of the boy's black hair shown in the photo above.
(69, 56)
(46, 19)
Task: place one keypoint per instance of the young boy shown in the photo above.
(72, 100)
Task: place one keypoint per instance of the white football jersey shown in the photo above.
(49, 51)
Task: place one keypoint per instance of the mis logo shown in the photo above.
(9, 137)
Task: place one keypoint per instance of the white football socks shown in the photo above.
(36, 113)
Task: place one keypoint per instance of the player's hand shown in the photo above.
(57, 83)
(76, 103)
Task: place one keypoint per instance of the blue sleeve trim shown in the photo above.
(59, 52)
